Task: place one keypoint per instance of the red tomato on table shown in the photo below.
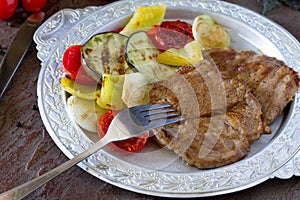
(7, 8)
(33, 5)
(171, 34)
(73, 67)
(126, 146)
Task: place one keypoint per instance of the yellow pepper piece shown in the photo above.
(189, 55)
(111, 92)
(144, 18)
(88, 92)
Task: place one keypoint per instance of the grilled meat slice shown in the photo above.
(202, 87)
(223, 116)
(202, 148)
(272, 82)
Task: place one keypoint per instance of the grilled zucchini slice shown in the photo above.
(104, 54)
(142, 55)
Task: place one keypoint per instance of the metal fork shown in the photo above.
(129, 123)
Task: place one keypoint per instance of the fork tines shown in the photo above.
(153, 112)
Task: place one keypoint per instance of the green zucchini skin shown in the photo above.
(104, 53)
(142, 55)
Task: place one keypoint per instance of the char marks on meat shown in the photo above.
(272, 82)
(223, 116)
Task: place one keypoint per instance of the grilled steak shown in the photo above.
(223, 116)
(272, 82)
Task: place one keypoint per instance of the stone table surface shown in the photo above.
(27, 150)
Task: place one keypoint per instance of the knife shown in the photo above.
(18, 48)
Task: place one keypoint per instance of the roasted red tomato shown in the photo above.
(171, 34)
(33, 5)
(118, 30)
(73, 67)
(126, 146)
(7, 8)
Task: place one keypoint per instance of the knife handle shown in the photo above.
(17, 49)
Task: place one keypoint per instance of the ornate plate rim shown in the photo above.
(238, 176)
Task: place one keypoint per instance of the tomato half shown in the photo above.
(126, 146)
(7, 8)
(33, 5)
(171, 34)
(118, 30)
(73, 67)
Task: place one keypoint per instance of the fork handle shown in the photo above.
(23, 190)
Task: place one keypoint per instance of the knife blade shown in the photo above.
(18, 48)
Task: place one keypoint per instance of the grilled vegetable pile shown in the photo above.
(114, 70)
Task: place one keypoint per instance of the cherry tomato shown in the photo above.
(7, 8)
(73, 67)
(126, 146)
(171, 34)
(118, 30)
(33, 5)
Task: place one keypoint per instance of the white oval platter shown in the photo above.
(158, 172)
